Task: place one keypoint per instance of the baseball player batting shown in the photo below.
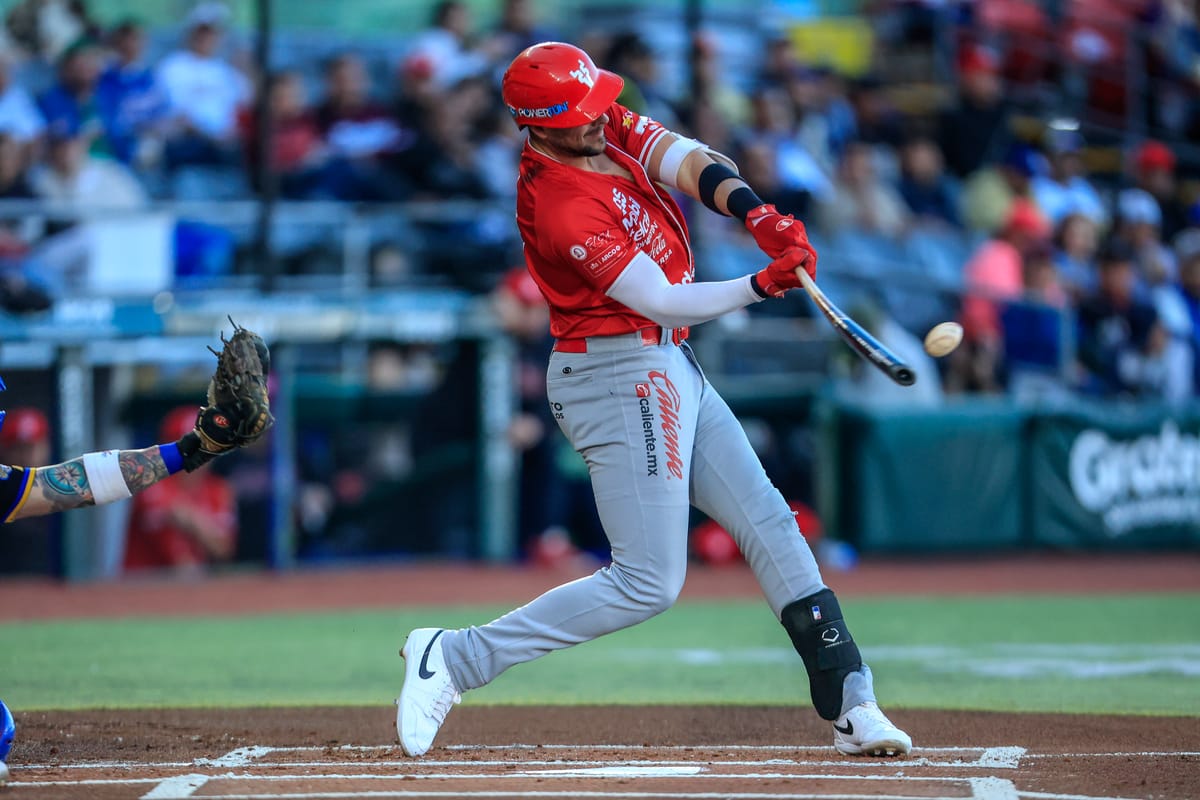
(610, 251)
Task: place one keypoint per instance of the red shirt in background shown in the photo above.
(155, 539)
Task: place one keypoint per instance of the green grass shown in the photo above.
(1135, 654)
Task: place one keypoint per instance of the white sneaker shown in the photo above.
(865, 731)
(428, 692)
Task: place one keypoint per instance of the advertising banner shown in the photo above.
(1101, 478)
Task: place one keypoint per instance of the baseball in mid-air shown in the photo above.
(943, 338)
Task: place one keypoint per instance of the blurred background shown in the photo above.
(340, 178)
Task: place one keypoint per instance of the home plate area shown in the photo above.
(568, 771)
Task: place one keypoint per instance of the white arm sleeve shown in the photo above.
(643, 287)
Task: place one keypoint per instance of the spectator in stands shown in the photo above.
(363, 139)
(994, 274)
(298, 156)
(1187, 241)
(1065, 189)
(772, 125)
(46, 28)
(1155, 268)
(779, 60)
(975, 130)
(498, 153)
(862, 203)
(1154, 171)
(204, 93)
(813, 127)
(631, 57)
(446, 49)
(517, 28)
(1122, 345)
(989, 194)
(14, 176)
(1174, 88)
(1034, 330)
(1139, 224)
(73, 178)
(441, 163)
(928, 190)
(1095, 37)
(186, 524)
(131, 103)
(1076, 239)
(715, 107)
(877, 121)
(19, 115)
(1189, 285)
(70, 107)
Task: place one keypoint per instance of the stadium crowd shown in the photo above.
(987, 195)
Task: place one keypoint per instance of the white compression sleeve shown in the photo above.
(104, 477)
(643, 287)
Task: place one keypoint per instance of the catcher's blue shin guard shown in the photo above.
(8, 729)
(820, 636)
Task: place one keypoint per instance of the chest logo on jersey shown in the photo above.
(582, 75)
(5, 471)
(578, 252)
(643, 230)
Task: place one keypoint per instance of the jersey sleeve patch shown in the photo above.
(633, 132)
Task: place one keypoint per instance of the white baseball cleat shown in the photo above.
(428, 692)
(3, 773)
(865, 731)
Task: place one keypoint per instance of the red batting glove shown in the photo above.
(780, 275)
(774, 233)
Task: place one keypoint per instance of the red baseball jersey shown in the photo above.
(581, 229)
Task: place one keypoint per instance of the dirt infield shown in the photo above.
(439, 584)
(595, 752)
(600, 752)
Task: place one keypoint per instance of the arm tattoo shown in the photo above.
(64, 485)
(141, 468)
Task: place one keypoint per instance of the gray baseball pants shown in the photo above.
(657, 438)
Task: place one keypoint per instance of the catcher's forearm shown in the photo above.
(64, 486)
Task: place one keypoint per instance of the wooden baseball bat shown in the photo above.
(857, 337)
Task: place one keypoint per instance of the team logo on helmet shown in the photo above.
(583, 75)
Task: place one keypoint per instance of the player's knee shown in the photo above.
(653, 592)
(823, 641)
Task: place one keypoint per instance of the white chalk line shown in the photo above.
(682, 795)
(251, 757)
(992, 788)
(180, 786)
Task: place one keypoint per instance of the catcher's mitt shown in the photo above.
(238, 410)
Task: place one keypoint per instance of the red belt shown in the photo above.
(649, 336)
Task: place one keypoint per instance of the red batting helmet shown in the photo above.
(556, 85)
